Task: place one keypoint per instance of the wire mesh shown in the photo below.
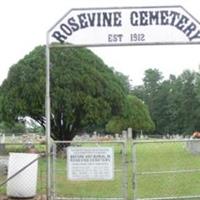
(166, 169)
(65, 188)
(7, 149)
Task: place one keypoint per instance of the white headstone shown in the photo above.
(141, 136)
(13, 137)
(94, 136)
(124, 134)
(117, 136)
(130, 133)
(3, 138)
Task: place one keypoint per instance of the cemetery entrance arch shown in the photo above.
(118, 26)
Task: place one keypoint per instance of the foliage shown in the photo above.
(85, 93)
(15, 128)
(24, 89)
(116, 125)
(135, 116)
(174, 103)
(124, 80)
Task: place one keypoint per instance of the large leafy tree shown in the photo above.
(174, 103)
(85, 93)
(189, 105)
(135, 115)
(152, 82)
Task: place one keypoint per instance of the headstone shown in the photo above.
(13, 137)
(94, 136)
(141, 136)
(124, 135)
(94, 133)
(130, 133)
(193, 146)
(3, 138)
(117, 136)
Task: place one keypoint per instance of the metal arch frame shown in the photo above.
(49, 46)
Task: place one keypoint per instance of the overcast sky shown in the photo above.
(24, 24)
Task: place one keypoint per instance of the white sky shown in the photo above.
(24, 24)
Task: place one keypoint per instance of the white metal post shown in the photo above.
(48, 120)
(134, 171)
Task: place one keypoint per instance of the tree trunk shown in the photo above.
(64, 136)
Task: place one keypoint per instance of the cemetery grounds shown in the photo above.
(154, 169)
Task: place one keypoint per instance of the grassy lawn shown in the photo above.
(176, 167)
(161, 171)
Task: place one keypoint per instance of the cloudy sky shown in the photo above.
(24, 24)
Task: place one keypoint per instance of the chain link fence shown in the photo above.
(166, 169)
(19, 169)
(86, 178)
(150, 170)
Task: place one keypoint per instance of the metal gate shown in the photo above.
(64, 188)
(166, 169)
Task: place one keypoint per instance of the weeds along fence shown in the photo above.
(166, 169)
(83, 170)
(6, 149)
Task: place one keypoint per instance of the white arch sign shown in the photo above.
(126, 26)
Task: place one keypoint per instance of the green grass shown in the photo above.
(165, 158)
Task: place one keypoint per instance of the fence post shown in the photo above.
(53, 170)
(125, 171)
(134, 178)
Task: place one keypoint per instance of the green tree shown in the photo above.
(116, 125)
(10, 128)
(157, 94)
(135, 116)
(124, 80)
(152, 82)
(166, 108)
(188, 108)
(85, 93)
(174, 103)
(197, 110)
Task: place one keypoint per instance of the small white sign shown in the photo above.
(90, 163)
